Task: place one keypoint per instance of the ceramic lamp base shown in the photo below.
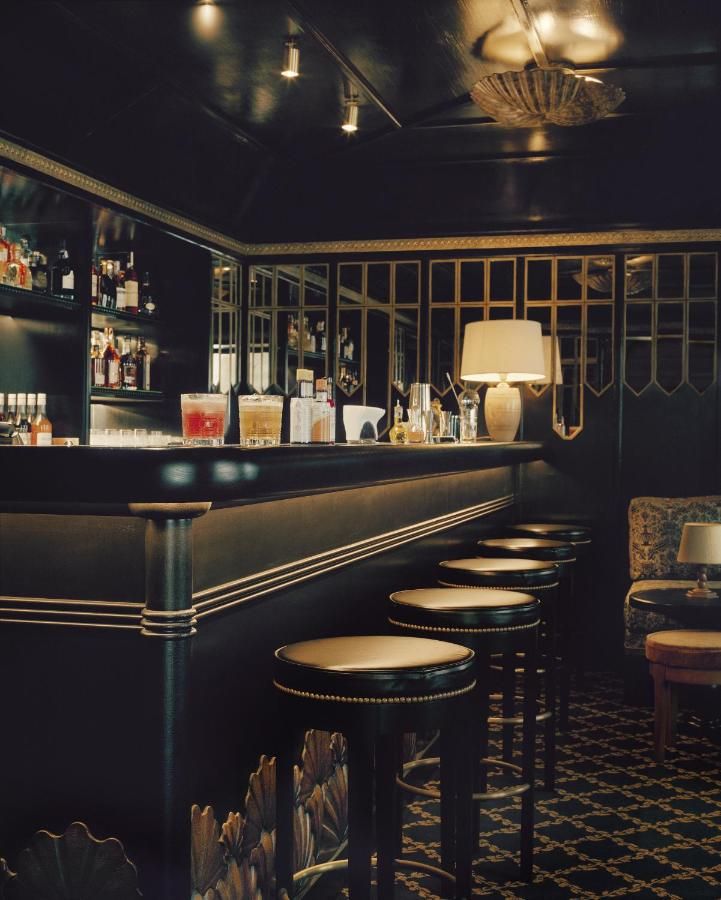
(502, 410)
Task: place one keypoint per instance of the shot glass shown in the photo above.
(203, 419)
(260, 417)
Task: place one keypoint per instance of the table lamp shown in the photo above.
(701, 544)
(502, 352)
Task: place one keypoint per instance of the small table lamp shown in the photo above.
(701, 543)
(503, 351)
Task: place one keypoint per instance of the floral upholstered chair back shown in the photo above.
(654, 533)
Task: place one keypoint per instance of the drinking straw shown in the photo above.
(454, 391)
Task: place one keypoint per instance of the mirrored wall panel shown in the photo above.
(224, 324)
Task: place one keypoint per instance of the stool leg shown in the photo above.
(530, 695)
(448, 753)
(360, 816)
(549, 657)
(477, 738)
(284, 812)
(386, 766)
(565, 614)
(661, 704)
(509, 702)
(672, 722)
(465, 762)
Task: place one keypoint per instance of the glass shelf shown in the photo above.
(32, 304)
(108, 395)
(133, 323)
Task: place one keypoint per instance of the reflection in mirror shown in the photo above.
(599, 347)
(405, 349)
(542, 314)
(701, 365)
(502, 279)
(290, 335)
(538, 279)
(379, 283)
(638, 281)
(224, 324)
(377, 374)
(442, 342)
(259, 350)
(570, 278)
(599, 277)
(261, 286)
(638, 331)
(349, 347)
(443, 282)
(407, 282)
(669, 363)
(288, 289)
(495, 311)
(472, 280)
(568, 396)
(702, 275)
(315, 285)
(350, 283)
(671, 275)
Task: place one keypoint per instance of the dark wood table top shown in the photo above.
(673, 601)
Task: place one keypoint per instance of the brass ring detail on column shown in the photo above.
(168, 624)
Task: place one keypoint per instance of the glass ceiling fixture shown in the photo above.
(291, 59)
(543, 92)
(350, 118)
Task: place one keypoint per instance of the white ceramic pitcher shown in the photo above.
(360, 423)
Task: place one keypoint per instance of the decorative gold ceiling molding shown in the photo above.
(72, 177)
(493, 242)
(217, 240)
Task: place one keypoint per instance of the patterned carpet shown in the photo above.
(618, 824)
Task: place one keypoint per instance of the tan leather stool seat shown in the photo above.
(685, 649)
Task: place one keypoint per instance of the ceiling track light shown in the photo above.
(350, 119)
(291, 59)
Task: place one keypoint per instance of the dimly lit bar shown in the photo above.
(360, 519)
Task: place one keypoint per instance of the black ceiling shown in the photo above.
(183, 103)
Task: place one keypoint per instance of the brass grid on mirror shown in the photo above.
(670, 321)
(287, 324)
(377, 331)
(573, 299)
(463, 291)
(225, 334)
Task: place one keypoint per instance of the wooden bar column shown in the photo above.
(169, 620)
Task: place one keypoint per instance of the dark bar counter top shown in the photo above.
(42, 476)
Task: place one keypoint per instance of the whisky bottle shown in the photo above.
(128, 367)
(41, 430)
(120, 294)
(142, 374)
(15, 271)
(132, 289)
(97, 363)
(25, 259)
(4, 250)
(93, 284)
(146, 295)
(22, 425)
(39, 271)
(62, 275)
(111, 359)
(32, 406)
(398, 433)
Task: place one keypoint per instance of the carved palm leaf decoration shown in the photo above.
(241, 883)
(259, 805)
(262, 858)
(316, 761)
(207, 864)
(335, 813)
(73, 866)
(315, 806)
(339, 747)
(303, 840)
(232, 836)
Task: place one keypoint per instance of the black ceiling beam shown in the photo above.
(342, 61)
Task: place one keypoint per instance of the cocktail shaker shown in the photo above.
(419, 406)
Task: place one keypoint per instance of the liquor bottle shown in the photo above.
(415, 428)
(25, 258)
(107, 284)
(120, 295)
(398, 433)
(111, 359)
(97, 362)
(128, 367)
(4, 250)
(301, 408)
(320, 340)
(146, 296)
(39, 271)
(12, 409)
(32, 406)
(132, 291)
(62, 275)
(22, 424)
(292, 332)
(142, 375)
(41, 429)
(94, 284)
(3, 413)
(15, 271)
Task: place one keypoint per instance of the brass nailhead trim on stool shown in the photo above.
(332, 698)
(464, 630)
(524, 587)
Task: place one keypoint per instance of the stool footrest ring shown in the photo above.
(434, 794)
(337, 864)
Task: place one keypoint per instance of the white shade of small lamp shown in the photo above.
(701, 544)
(503, 352)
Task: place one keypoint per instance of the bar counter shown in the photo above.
(143, 592)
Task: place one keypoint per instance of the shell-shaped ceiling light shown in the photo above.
(536, 96)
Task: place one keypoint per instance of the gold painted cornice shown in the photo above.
(217, 240)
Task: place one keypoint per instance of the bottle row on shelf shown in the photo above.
(311, 337)
(115, 286)
(127, 368)
(27, 268)
(28, 414)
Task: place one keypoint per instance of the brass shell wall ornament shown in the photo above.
(206, 863)
(232, 836)
(73, 866)
(316, 761)
(260, 804)
(335, 811)
(553, 95)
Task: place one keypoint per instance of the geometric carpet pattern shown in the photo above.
(617, 825)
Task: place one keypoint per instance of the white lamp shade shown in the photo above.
(700, 543)
(503, 350)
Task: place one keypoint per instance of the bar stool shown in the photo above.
(581, 536)
(563, 555)
(374, 689)
(534, 577)
(489, 623)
